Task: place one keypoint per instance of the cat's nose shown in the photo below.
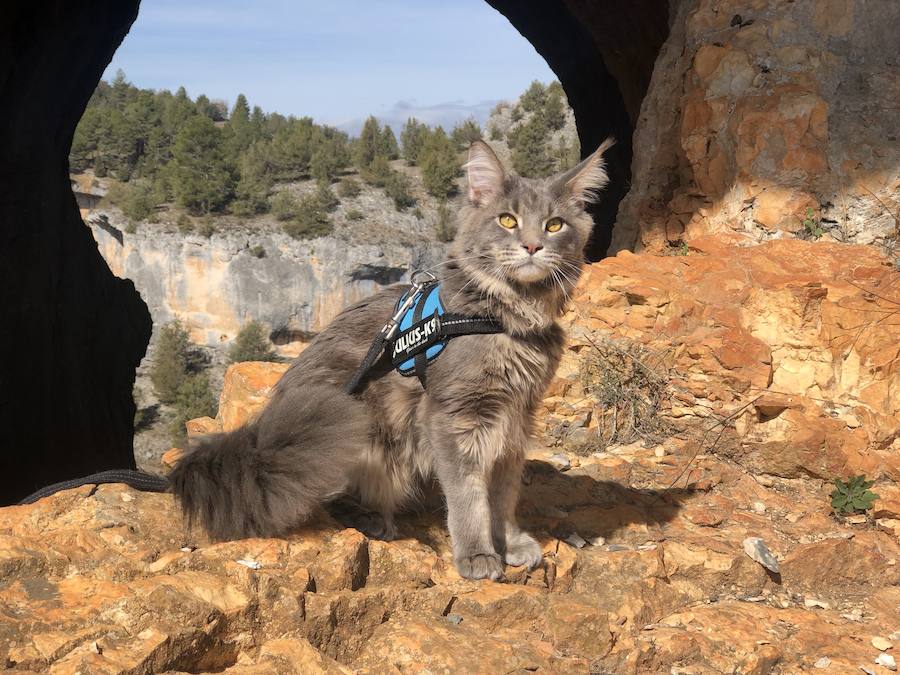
(532, 248)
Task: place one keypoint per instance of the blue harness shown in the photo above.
(418, 332)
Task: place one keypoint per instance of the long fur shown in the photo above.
(269, 476)
(313, 442)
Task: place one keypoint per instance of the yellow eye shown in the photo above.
(508, 221)
(554, 225)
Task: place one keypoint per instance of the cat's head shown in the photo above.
(526, 231)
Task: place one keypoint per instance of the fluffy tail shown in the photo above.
(269, 476)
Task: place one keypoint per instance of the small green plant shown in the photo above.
(348, 188)
(853, 495)
(184, 224)
(130, 227)
(812, 227)
(206, 228)
(683, 249)
(257, 251)
(283, 205)
(354, 214)
(252, 344)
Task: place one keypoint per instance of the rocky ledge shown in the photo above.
(647, 564)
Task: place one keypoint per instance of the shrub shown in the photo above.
(184, 224)
(444, 225)
(170, 361)
(534, 97)
(354, 214)
(326, 197)
(397, 188)
(627, 392)
(310, 222)
(130, 227)
(251, 344)
(206, 228)
(193, 399)
(257, 251)
(377, 172)
(440, 165)
(284, 205)
(348, 188)
(466, 133)
(494, 133)
(413, 139)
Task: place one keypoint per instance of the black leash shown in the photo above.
(145, 482)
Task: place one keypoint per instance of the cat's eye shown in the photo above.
(508, 221)
(554, 225)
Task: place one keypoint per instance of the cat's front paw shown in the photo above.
(480, 566)
(522, 549)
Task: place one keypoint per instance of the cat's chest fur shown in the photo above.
(486, 389)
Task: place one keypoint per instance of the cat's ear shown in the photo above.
(585, 181)
(484, 172)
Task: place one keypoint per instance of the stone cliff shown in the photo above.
(216, 285)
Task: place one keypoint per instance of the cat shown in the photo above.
(516, 257)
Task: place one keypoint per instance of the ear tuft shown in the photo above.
(484, 172)
(588, 178)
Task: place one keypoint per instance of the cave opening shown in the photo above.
(72, 411)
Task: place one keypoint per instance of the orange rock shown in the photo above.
(245, 391)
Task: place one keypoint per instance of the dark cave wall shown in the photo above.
(72, 333)
(603, 54)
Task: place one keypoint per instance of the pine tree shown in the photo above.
(251, 344)
(170, 361)
(554, 112)
(413, 139)
(368, 144)
(466, 133)
(331, 157)
(530, 157)
(193, 399)
(255, 183)
(387, 143)
(239, 121)
(204, 181)
(440, 164)
(533, 98)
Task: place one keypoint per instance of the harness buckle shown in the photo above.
(419, 279)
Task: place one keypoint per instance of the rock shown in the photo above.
(561, 462)
(881, 644)
(575, 540)
(245, 391)
(753, 131)
(756, 548)
(823, 662)
(887, 661)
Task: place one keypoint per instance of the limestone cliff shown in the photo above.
(216, 285)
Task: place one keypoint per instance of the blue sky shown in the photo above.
(336, 60)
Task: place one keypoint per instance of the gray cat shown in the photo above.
(516, 258)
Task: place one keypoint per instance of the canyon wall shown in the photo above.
(216, 285)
